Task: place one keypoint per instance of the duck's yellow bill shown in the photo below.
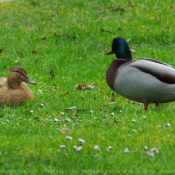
(109, 52)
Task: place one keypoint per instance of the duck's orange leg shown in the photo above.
(145, 106)
(157, 105)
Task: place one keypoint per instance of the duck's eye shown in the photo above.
(17, 71)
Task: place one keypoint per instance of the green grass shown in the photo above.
(71, 38)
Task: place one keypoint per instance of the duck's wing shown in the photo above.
(162, 71)
(3, 82)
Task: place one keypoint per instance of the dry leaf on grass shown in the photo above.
(34, 52)
(66, 93)
(64, 35)
(166, 42)
(85, 86)
(75, 108)
(55, 14)
(64, 129)
(106, 30)
(112, 97)
(71, 108)
(52, 74)
(132, 50)
(1, 115)
(20, 54)
(110, 103)
(42, 37)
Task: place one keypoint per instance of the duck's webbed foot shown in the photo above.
(146, 106)
(157, 105)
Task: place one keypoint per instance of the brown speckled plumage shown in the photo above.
(13, 90)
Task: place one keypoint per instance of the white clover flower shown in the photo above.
(96, 147)
(91, 111)
(56, 119)
(134, 121)
(31, 111)
(62, 146)
(42, 105)
(78, 148)
(62, 113)
(112, 114)
(152, 151)
(126, 150)
(145, 148)
(81, 140)
(144, 117)
(168, 125)
(40, 91)
(155, 150)
(69, 137)
(68, 119)
(109, 148)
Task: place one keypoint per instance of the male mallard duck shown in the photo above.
(13, 90)
(143, 80)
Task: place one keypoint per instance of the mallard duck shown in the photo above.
(143, 80)
(13, 90)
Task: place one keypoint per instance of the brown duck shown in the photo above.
(13, 90)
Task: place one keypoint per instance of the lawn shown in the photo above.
(76, 125)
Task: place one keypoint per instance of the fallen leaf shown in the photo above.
(73, 116)
(64, 35)
(64, 94)
(101, 11)
(130, 4)
(52, 74)
(64, 128)
(53, 88)
(118, 8)
(85, 86)
(116, 121)
(115, 8)
(34, 51)
(81, 109)
(42, 37)
(159, 16)
(166, 42)
(71, 108)
(132, 50)
(112, 97)
(111, 103)
(1, 115)
(33, 3)
(21, 54)
(55, 14)
(108, 31)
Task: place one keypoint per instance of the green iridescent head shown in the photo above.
(121, 49)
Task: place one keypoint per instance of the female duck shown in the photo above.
(13, 90)
(143, 80)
